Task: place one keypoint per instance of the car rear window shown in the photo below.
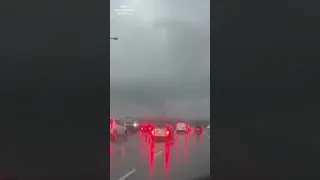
(160, 126)
(118, 122)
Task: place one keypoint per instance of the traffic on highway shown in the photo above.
(159, 90)
(158, 152)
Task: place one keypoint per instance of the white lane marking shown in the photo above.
(158, 154)
(128, 174)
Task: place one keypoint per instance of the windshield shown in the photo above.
(160, 73)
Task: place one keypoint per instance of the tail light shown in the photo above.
(150, 128)
(110, 125)
(152, 132)
(167, 132)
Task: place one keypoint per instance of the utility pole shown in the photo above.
(163, 108)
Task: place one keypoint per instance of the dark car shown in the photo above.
(198, 129)
(146, 128)
(172, 125)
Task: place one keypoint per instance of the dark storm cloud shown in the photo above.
(161, 59)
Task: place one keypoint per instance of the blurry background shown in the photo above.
(161, 61)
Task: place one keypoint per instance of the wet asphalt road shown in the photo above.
(186, 158)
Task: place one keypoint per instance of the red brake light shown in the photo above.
(111, 122)
(150, 127)
(152, 132)
(199, 127)
(167, 132)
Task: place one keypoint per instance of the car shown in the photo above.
(143, 128)
(189, 129)
(146, 128)
(198, 129)
(117, 129)
(162, 131)
(172, 125)
(181, 128)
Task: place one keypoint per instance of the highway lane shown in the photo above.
(124, 156)
(187, 157)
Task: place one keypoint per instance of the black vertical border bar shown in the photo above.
(216, 86)
(55, 77)
(105, 90)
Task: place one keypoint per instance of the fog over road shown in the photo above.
(161, 61)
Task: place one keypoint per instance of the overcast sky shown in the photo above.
(162, 55)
